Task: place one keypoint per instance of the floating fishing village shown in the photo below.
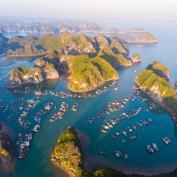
(75, 110)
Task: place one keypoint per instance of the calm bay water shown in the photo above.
(37, 163)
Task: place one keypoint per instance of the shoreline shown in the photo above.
(98, 85)
(32, 84)
(152, 97)
(26, 56)
(127, 170)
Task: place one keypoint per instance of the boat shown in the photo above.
(118, 154)
(127, 156)
(166, 140)
(133, 137)
(75, 107)
(48, 106)
(115, 89)
(149, 149)
(155, 147)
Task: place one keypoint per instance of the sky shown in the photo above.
(91, 9)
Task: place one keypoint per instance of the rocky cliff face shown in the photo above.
(153, 81)
(117, 47)
(96, 60)
(20, 46)
(42, 71)
(65, 43)
(89, 73)
(135, 58)
(67, 154)
(159, 69)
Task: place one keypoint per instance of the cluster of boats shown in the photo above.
(38, 116)
(24, 139)
(131, 129)
(154, 148)
(26, 107)
(64, 94)
(119, 154)
(115, 106)
(23, 144)
(124, 115)
(110, 108)
(63, 108)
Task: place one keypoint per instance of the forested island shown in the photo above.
(87, 61)
(154, 82)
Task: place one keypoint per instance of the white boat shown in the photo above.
(149, 149)
(118, 154)
(155, 147)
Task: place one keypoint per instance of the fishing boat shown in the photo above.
(149, 149)
(48, 106)
(166, 140)
(155, 147)
(118, 154)
(75, 107)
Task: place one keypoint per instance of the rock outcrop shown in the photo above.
(135, 58)
(65, 43)
(42, 71)
(89, 73)
(153, 81)
(88, 61)
(138, 38)
(67, 154)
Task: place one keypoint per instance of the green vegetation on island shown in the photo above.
(24, 47)
(154, 82)
(6, 154)
(135, 58)
(88, 62)
(116, 60)
(67, 154)
(64, 43)
(89, 73)
(42, 71)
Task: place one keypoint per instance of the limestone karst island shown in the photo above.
(88, 88)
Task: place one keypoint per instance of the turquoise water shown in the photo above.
(37, 162)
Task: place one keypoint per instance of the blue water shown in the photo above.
(37, 162)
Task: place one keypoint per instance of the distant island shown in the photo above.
(138, 38)
(87, 61)
(154, 82)
(37, 27)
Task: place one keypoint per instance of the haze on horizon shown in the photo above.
(91, 9)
